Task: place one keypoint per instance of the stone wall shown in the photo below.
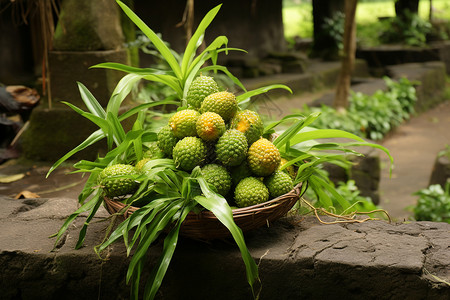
(298, 258)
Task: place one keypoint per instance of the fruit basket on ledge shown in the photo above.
(188, 189)
(205, 225)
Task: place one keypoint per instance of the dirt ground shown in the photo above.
(414, 146)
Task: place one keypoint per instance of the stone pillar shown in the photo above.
(88, 32)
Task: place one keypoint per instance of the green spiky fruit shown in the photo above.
(210, 126)
(140, 164)
(166, 140)
(250, 191)
(217, 176)
(279, 183)
(263, 157)
(116, 180)
(231, 148)
(153, 151)
(249, 122)
(200, 88)
(222, 103)
(189, 153)
(183, 123)
(240, 172)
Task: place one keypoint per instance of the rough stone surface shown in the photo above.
(100, 82)
(86, 25)
(298, 259)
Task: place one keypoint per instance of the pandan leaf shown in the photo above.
(92, 139)
(220, 208)
(123, 88)
(88, 206)
(98, 201)
(261, 90)
(224, 70)
(91, 103)
(155, 39)
(170, 243)
(130, 69)
(193, 44)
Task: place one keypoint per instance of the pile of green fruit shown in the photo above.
(226, 142)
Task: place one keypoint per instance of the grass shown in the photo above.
(297, 15)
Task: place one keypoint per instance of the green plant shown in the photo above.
(433, 204)
(335, 28)
(372, 116)
(411, 30)
(166, 194)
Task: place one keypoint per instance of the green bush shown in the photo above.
(433, 204)
(371, 116)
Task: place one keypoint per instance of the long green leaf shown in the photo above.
(261, 90)
(98, 198)
(91, 103)
(130, 69)
(227, 72)
(168, 80)
(144, 106)
(170, 243)
(84, 208)
(154, 38)
(123, 88)
(191, 48)
(92, 139)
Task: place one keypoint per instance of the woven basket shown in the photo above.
(205, 225)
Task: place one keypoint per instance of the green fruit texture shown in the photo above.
(189, 153)
(279, 183)
(210, 126)
(249, 122)
(250, 191)
(217, 176)
(201, 87)
(113, 184)
(153, 151)
(263, 157)
(231, 148)
(222, 103)
(140, 164)
(183, 123)
(166, 140)
(240, 172)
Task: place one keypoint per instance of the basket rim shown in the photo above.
(294, 193)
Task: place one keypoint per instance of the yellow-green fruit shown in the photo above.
(289, 169)
(263, 157)
(231, 148)
(250, 191)
(249, 122)
(217, 176)
(166, 140)
(189, 153)
(117, 180)
(183, 123)
(279, 183)
(201, 87)
(210, 126)
(140, 164)
(222, 103)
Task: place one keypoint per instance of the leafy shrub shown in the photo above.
(372, 116)
(433, 204)
(411, 30)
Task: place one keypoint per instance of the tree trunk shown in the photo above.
(348, 59)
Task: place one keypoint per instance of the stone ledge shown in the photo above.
(299, 259)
